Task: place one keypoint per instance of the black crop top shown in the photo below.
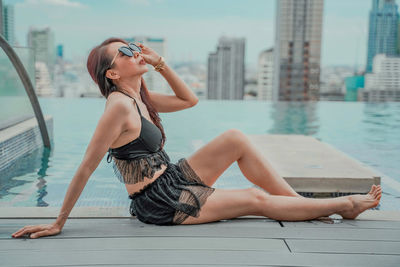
(141, 157)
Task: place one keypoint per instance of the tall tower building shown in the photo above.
(383, 30)
(265, 74)
(60, 51)
(8, 29)
(42, 43)
(297, 50)
(225, 78)
(154, 80)
(383, 83)
(1, 17)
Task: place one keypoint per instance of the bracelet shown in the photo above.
(160, 65)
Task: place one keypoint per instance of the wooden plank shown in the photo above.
(240, 221)
(183, 257)
(52, 212)
(342, 223)
(79, 231)
(157, 265)
(171, 265)
(167, 243)
(344, 246)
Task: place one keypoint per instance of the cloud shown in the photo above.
(59, 3)
(137, 2)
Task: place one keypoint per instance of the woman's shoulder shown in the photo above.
(117, 102)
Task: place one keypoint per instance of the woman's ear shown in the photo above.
(112, 75)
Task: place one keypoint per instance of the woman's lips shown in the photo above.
(142, 62)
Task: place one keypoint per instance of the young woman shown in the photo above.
(167, 193)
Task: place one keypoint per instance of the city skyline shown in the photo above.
(344, 36)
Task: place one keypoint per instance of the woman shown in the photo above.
(167, 193)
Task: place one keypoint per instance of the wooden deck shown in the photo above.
(109, 236)
(373, 239)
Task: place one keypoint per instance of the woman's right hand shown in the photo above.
(40, 230)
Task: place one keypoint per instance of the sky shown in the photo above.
(191, 28)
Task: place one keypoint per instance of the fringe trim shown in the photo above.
(187, 170)
(191, 200)
(192, 197)
(132, 171)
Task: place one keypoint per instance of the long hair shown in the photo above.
(98, 63)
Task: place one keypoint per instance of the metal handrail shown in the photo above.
(23, 75)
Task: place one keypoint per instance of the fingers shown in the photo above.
(39, 234)
(18, 233)
(27, 229)
(140, 45)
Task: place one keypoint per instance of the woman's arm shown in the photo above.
(183, 98)
(109, 127)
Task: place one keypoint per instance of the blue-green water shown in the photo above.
(369, 132)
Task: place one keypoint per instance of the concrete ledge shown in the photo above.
(21, 139)
(309, 165)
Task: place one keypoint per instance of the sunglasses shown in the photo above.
(127, 51)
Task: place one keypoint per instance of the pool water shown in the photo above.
(368, 132)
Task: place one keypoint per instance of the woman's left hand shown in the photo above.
(149, 55)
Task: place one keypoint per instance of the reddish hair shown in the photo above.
(98, 63)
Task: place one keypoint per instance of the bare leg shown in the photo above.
(228, 204)
(298, 209)
(211, 160)
(259, 170)
(285, 208)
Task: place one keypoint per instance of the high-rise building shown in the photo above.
(383, 84)
(8, 28)
(44, 86)
(154, 80)
(297, 50)
(383, 30)
(1, 17)
(398, 39)
(212, 75)
(60, 51)
(42, 42)
(353, 84)
(225, 79)
(265, 74)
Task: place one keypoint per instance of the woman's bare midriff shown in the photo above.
(133, 188)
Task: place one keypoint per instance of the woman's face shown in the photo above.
(125, 66)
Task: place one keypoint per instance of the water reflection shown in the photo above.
(381, 138)
(294, 118)
(381, 120)
(25, 167)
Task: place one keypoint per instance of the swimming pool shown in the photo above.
(369, 132)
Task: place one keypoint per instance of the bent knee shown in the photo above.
(235, 136)
(258, 199)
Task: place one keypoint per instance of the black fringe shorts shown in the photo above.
(172, 197)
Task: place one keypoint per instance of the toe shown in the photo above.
(377, 193)
(372, 189)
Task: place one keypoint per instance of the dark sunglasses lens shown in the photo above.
(126, 51)
(135, 47)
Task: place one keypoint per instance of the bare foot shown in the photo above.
(362, 202)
